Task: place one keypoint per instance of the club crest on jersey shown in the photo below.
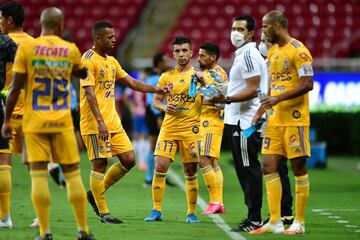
(205, 124)
(102, 73)
(195, 129)
(296, 114)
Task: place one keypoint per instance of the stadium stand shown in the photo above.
(81, 14)
(328, 28)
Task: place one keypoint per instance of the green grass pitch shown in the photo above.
(333, 211)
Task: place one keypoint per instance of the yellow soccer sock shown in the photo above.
(158, 189)
(114, 174)
(302, 188)
(274, 191)
(192, 189)
(219, 182)
(5, 190)
(210, 182)
(40, 196)
(77, 197)
(98, 191)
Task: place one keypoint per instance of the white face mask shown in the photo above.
(263, 49)
(237, 39)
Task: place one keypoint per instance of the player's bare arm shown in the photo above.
(249, 92)
(80, 72)
(142, 87)
(94, 106)
(16, 86)
(306, 85)
(158, 104)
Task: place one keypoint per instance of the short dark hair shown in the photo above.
(277, 16)
(250, 21)
(181, 40)
(15, 10)
(211, 48)
(158, 58)
(100, 25)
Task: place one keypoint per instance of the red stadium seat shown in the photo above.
(313, 22)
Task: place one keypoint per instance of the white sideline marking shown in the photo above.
(215, 218)
(342, 221)
(336, 209)
(327, 212)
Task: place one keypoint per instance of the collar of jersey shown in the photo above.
(245, 47)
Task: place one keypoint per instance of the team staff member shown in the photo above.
(247, 74)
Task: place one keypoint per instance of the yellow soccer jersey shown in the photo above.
(102, 74)
(211, 116)
(18, 39)
(184, 123)
(286, 65)
(48, 62)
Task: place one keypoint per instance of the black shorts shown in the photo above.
(151, 121)
(4, 143)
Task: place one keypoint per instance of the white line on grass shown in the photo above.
(215, 218)
(327, 212)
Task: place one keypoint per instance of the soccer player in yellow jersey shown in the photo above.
(100, 124)
(211, 129)
(11, 20)
(287, 132)
(179, 130)
(43, 67)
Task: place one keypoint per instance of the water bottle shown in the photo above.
(269, 110)
(215, 76)
(214, 91)
(203, 91)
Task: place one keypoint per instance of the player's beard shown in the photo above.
(184, 62)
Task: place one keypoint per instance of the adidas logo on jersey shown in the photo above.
(236, 134)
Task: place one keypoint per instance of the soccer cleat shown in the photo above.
(191, 218)
(246, 226)
(82, 235)
(47, 236)
(35, 223)
(276, 228)
(287, 220)
(295, 228)
(222, 209)
(155, 215)
(108, 218)
(92, 202)
(6, 222)
(147, 183)
(213, 208)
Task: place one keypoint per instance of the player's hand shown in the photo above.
(270, 101)
(103, 131)
(163, 90)
(218, 99)
(200, 76)
(256, 118)
(6, 130)
(170, 107)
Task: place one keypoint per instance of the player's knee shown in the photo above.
(190, 169)
(269, 168)
(99, 165)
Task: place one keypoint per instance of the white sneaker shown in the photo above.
(295, 228)
(6, 222)
(35, 223)
(276, 228)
